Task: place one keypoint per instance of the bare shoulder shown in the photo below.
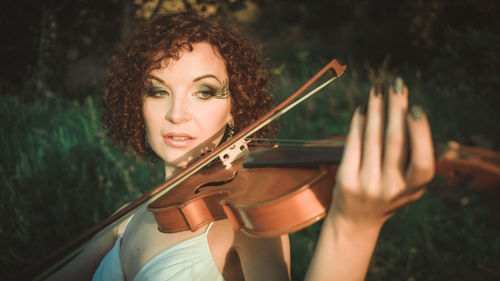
(275, 245)
(83, 266)
(118, 229)
(243, 257)
(264, 258)
(221, 239)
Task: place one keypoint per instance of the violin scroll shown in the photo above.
(477, 167)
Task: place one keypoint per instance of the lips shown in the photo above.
(178, 140)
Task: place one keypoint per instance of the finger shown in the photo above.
(421, 166)
(395, 138)
(372, 142)
(351, 157)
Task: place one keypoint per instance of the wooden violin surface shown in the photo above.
(263, 202)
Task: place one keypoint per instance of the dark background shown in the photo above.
(55, 44)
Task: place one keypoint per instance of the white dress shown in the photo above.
(187, 260)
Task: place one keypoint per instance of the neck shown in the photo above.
(171, 170)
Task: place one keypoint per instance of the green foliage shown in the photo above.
(463, 80)
(432, 240)
(58, 177)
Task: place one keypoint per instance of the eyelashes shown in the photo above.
(203, 92)
(222, 93)
(157, 92)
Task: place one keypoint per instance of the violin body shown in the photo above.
(263, 202)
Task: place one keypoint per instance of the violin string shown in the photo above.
(290, 106)
(257, 141)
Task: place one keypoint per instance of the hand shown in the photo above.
(375, 178)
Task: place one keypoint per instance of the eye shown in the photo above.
(157, 92)
(204, 94)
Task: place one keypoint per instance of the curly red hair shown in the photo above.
(166, 37)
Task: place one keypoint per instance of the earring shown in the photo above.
(147, 145)
(230, 127)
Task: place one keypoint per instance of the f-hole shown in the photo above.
(214, 183)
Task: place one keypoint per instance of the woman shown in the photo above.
(181, 86)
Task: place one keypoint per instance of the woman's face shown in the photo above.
(188, 106)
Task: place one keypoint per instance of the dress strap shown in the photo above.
(208, 228)
(125, 227)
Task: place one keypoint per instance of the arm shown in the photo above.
(372, 183)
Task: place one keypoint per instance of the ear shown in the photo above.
(230, 120)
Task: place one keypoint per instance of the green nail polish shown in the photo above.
(363, 109)
(417, 112)
(379, 89)
(398, 85)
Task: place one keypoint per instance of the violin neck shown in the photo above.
(294, 157)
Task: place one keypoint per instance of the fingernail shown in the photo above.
(379, 89)
(363, 108)
(398, 85)
(417, 112)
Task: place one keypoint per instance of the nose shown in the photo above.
(178, 111)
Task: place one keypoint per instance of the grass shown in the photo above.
(59, 175)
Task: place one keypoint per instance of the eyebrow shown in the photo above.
(207, 76)
(194, 80)
(156, 78)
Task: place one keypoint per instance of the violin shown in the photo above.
(275, 191)
(261, 201)
(268, 192)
